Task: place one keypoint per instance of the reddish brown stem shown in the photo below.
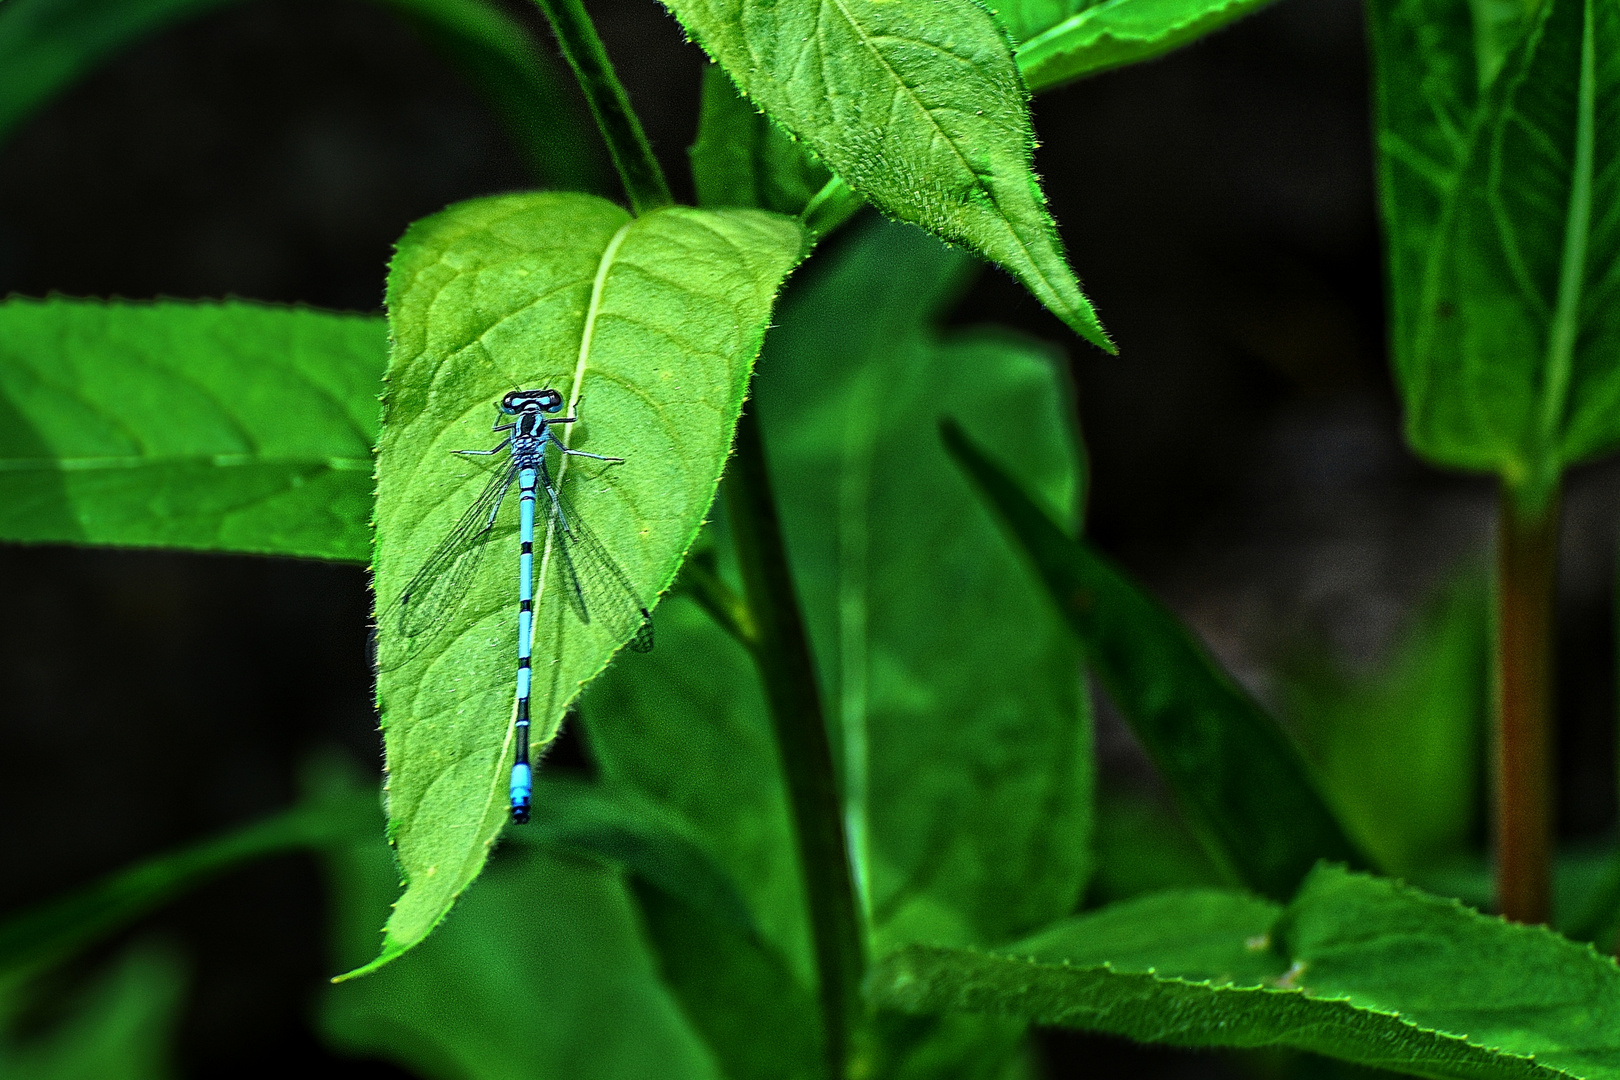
(1526, 572)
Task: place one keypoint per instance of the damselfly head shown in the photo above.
(547, 400)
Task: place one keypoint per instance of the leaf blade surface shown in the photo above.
(649, 327)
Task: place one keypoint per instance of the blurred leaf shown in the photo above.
(1241, 783)
(212, 426)
(37, 937)
(740, 158)
(1115, 33)
(919, 108)
(1398, 750)
(685, 725)
(539, 974)
(48, 45)
(629, 832)
(1358, 968)
(757, 1017)
(649, 327)
(956, 689)
(118, 1028)
(1425, 90)
(1144, 847)
(1511, 367)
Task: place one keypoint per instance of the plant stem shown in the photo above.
(789, 675)
(1526, 569)
(627, 143)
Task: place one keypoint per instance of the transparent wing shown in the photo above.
(595, 587)
(434, 595)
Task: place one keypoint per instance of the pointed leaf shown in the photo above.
(1120, 32)
(1241, 783)
(918, 107)
(1513, 365)
(211, 426)
(1358, 968)
(648, 327)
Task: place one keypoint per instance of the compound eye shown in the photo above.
(509, 403)
(551, 401)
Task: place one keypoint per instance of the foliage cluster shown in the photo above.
(845, 823)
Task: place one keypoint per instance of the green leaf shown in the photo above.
(685, 725)
(741, 158)
(118, 1028)
(211, 426)
(757, 1017)
(649, 327)
(1143, 847)
(956, 689)
(1425, 90)
(1024, 19)
(1241, 784)
(1512, 366)
(48, 45)
(1358, 968)
(1119, 32)
(919, 108)
(1398, 748)
(539, 974)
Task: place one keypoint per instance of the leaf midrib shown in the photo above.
(978, 181)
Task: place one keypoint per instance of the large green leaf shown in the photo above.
(1241, 783)
(539, 975)
(47, 45)
(918, 107)
(955, 686)
(1512, 365)
(212, 426)
(1358, 968)
(1119, 32)
(120, 1027)
(648, 326)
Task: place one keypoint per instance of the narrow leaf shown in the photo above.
(120, 1027)
(919, 108)
(48, 45)
(35, 938)
(211, 426)
(1242, 785)
(1120, 32)
(1361, 969)
(1512, 368)
(648, 327)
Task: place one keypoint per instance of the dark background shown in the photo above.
(1246, 456)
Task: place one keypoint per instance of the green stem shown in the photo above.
(788, 672)
(703, 584)
(1526, 564)
(627, 143)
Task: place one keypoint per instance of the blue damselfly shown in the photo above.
(592, 584)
